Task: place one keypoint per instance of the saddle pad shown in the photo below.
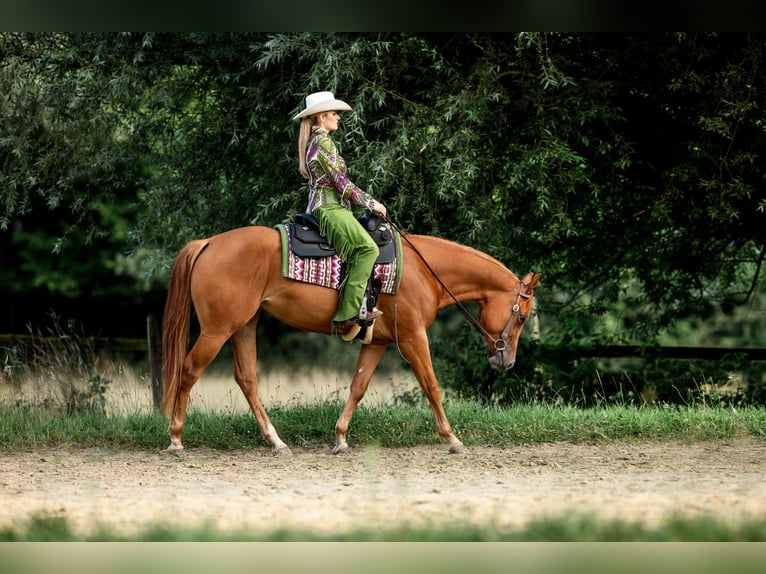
(327, 271)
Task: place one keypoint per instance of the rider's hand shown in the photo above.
(379, 208)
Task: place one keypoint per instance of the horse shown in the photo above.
(233, 277)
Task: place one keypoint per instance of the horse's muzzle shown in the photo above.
(499, 362)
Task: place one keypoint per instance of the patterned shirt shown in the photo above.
(327, 174)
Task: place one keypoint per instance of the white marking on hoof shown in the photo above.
(283, 450)
(341, 449)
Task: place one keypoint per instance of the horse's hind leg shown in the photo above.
(244, 346)
(203, 352)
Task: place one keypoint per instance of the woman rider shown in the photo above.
(331, 195)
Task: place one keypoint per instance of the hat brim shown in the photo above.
(326, 106)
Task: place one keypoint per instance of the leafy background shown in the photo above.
(623, 167)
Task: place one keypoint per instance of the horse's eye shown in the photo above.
(522, 318)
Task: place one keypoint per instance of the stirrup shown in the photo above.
(355, 330)
(352, 332)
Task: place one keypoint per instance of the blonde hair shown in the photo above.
(303, 141)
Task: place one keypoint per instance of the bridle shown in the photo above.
(499, 345)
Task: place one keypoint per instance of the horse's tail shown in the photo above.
(175, 323)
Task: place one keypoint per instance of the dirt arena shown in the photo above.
(380, 488)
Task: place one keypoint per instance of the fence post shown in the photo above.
(154, 346)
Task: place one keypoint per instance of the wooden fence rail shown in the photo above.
(652, 352)
(116, 344)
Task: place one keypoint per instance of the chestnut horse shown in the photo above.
(231, 277)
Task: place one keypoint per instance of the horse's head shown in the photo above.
(503, 346)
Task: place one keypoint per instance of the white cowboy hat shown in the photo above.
(321, 102)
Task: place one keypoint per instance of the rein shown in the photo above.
(498, 345)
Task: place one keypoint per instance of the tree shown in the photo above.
(70, 181)
(624, 167)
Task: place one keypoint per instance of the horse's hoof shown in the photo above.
(175, 450)
(341, 449)
(458, 449)
(281, 451)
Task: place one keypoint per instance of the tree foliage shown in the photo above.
(624, 167)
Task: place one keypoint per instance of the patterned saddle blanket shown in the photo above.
(307, 257)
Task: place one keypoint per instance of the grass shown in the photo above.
(59, 392)
(565, 528)
(312, 425)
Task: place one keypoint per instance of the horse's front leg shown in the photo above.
(418, 353)
(369, 357)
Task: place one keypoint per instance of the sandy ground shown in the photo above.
(379, 488)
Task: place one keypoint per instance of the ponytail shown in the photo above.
(303, 140)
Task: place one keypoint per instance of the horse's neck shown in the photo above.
(468, 273)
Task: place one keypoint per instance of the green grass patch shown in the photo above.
(388, 426)
(569, 528)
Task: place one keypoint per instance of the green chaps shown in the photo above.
(356, 249)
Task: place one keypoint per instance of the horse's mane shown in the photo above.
(460, 247)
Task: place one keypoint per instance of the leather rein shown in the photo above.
(500, 344)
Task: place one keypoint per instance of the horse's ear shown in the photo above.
(531, 280)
